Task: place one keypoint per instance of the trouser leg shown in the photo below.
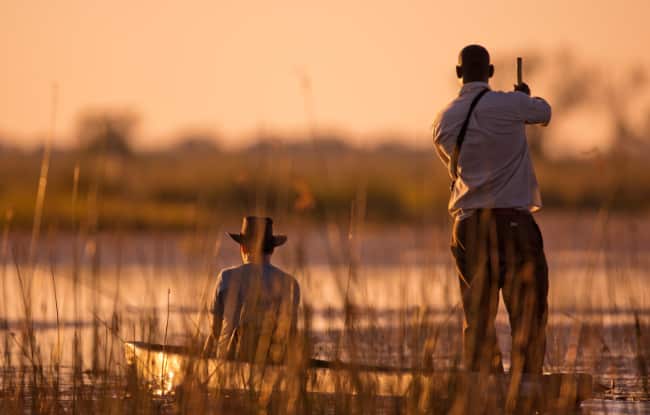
(479, 292)
(525, 292)
(480, 346)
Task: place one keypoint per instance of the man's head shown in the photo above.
(474, 64)
(256, 238)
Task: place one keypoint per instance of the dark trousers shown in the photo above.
(502, 249)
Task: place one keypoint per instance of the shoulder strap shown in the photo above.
(461, 138)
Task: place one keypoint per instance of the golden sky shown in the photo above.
(235, 67)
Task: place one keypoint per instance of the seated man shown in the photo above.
(255, 307)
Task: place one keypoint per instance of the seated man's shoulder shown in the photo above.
(281, 272)
(231, 272)
(285, 275)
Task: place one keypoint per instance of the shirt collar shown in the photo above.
(473, 86)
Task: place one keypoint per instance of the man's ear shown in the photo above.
(459, 71)
(491, 71)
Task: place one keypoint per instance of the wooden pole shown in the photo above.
(519, 70)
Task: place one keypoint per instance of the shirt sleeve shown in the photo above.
(534, 110)
(438, 140)
(218, 304)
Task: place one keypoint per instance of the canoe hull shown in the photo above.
(165, 367)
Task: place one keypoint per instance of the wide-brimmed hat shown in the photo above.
(258, 232)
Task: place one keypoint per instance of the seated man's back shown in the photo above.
(255, 309)
(258, 305)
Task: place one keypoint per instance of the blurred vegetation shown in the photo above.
(320, 180)
(618, 100)
(104, 183)
(106, 133)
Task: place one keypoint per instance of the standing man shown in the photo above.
(481, 138)
(255, 309)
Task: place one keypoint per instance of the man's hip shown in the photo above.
(501, 241)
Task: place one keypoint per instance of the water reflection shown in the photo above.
(595, 300)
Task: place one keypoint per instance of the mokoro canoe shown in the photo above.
(164, 367)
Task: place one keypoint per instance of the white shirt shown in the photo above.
(255, 309)
(494, 165)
